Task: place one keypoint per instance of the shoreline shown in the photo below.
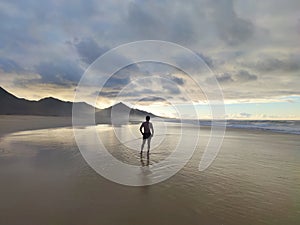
(15, 123)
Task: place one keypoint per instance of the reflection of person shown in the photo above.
(143, 162)
(147, 135)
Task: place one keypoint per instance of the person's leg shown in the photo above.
(142, 147)
(149, 142)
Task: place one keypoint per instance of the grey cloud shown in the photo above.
(133, 92)
(286, 92)
(186, 62)
(8, 65)
(14, 28)
(170, 88)
(108, 94)
(288, 63)
(269, 64)
(177, 80)
(168, 20)
(186, 22)
(208, 60)
(122, 77)
(117, 82)
(89, 50)
(224, 78)
(241, 76)
(152, 99)
(142, 21)
(245, 76)
(60, 72)
(231, 28)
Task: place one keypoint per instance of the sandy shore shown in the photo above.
(10, 124)
(43, 177)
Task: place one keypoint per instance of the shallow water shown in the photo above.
(255, 179)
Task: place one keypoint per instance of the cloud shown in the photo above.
(153, 20)
(208, 60)
(185, 62)
(89, 50)
(170, 88)
(239, 77)
(152, 99)
(9, 66)
(117, 82)
(60, 72)
(231, 28)
(245, 76)
(223, 78)
(245, 43)
(267, 63)
(178, 80)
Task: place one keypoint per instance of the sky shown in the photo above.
(251, 47)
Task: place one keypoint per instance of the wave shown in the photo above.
(279, 126)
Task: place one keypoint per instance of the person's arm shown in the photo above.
(141, 128)
(152, 129)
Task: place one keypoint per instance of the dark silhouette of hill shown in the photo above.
(12, 105)
(121, 107)
(121, 114)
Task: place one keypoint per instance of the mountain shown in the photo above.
(120, 114)
(12, 105)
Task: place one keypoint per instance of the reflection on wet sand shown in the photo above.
(254, 180)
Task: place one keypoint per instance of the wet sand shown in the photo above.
(254, 180)
(14, 123)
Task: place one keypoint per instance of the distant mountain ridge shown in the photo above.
(120, 114)
(12, 105)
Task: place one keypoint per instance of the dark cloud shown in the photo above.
(241, 76)
(142, 21)
(15, 29)
(206, 59)
(152, 99)
(264, 65)
(231, 29)
(122, 77)
(178, 80)
(132, 92)
(163, 20)
(89, 50)
(244, 76)
(60, 72)
(185, 62)
(290, 63)
(224, 78)
(9, 66)
(108, 94)
(117, 82)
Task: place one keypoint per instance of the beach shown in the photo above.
(14, 123)
(44, 179)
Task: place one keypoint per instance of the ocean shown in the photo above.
(279, 126)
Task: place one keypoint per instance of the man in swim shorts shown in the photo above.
(147, 135)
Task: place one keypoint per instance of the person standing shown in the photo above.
(146, 128)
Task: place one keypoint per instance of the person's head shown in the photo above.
(147, 118)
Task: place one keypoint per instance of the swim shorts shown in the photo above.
(146, 135)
